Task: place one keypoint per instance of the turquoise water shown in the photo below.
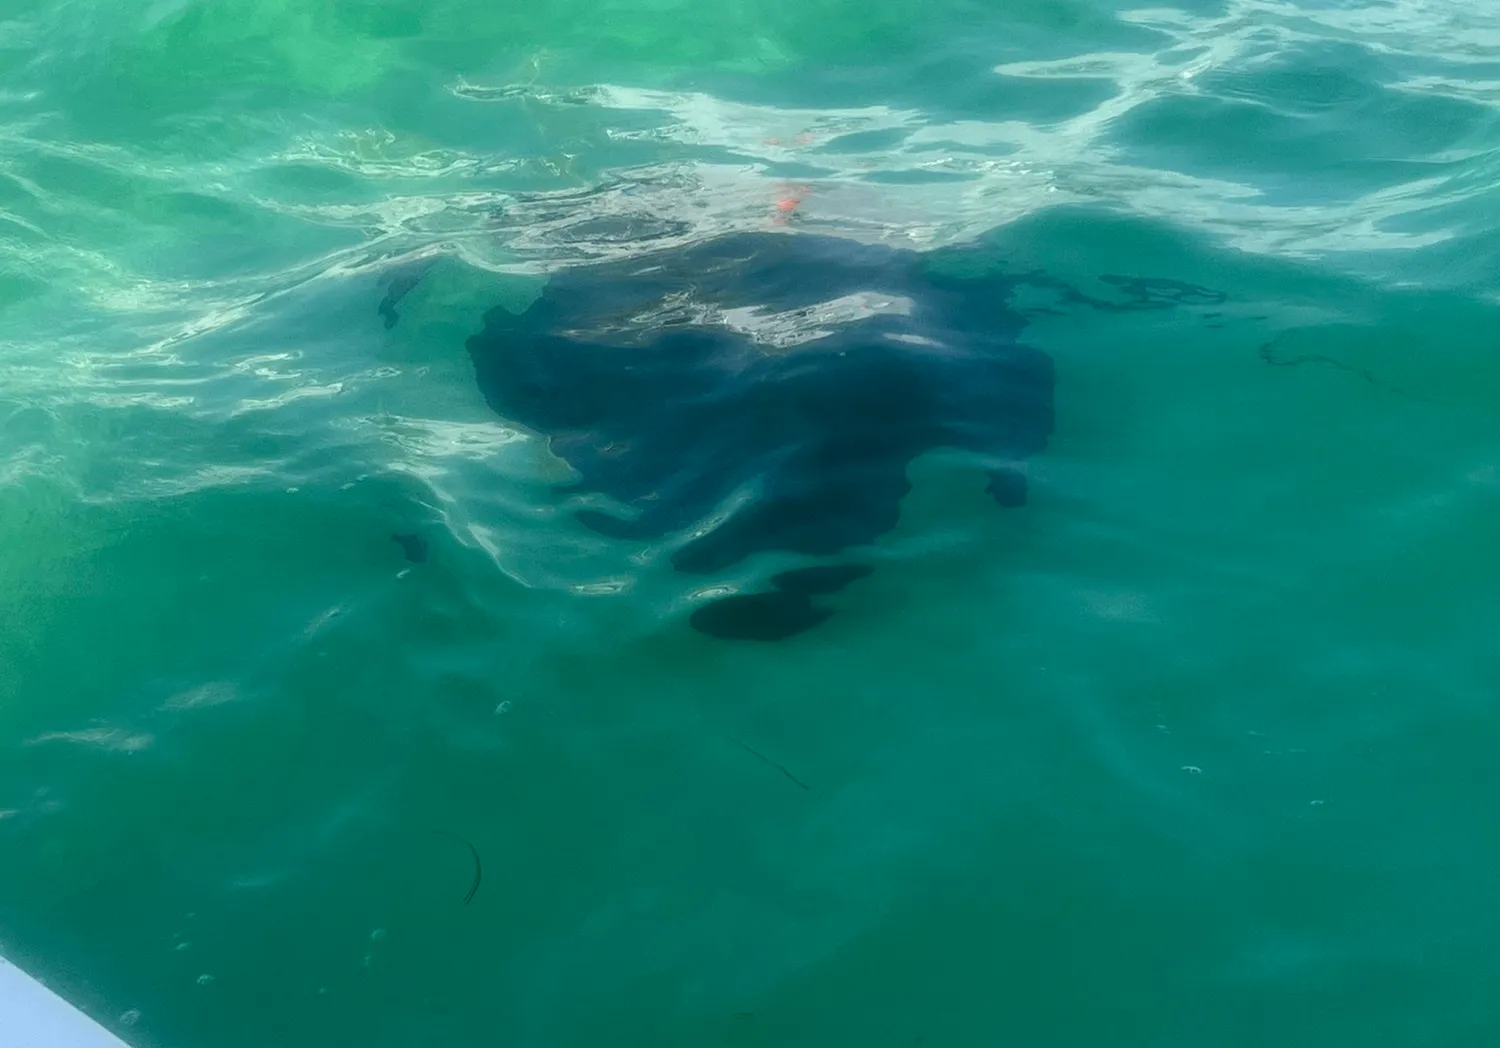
(1195, 749)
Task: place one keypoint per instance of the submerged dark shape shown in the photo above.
(758, 616)
(778, 384)
(406, 278)
(820, 579)
(414, 546)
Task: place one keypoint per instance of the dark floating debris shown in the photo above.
(478, 875)
(779, 767)
(478, 866)
(1270, 356)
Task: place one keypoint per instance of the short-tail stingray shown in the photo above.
(765, 392)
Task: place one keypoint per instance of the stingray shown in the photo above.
(765, 393)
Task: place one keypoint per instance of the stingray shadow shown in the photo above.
(766, 392)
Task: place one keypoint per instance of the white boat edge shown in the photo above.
(32, 1016)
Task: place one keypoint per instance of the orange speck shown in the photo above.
(787, 206)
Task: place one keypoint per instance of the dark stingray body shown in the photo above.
(644, 379)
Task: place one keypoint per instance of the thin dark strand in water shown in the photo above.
(1267, 354)
(478, 866)
(779, 767)
(478, 875)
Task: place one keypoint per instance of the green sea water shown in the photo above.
(1196, 749)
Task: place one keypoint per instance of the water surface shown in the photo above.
(1194, 748)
